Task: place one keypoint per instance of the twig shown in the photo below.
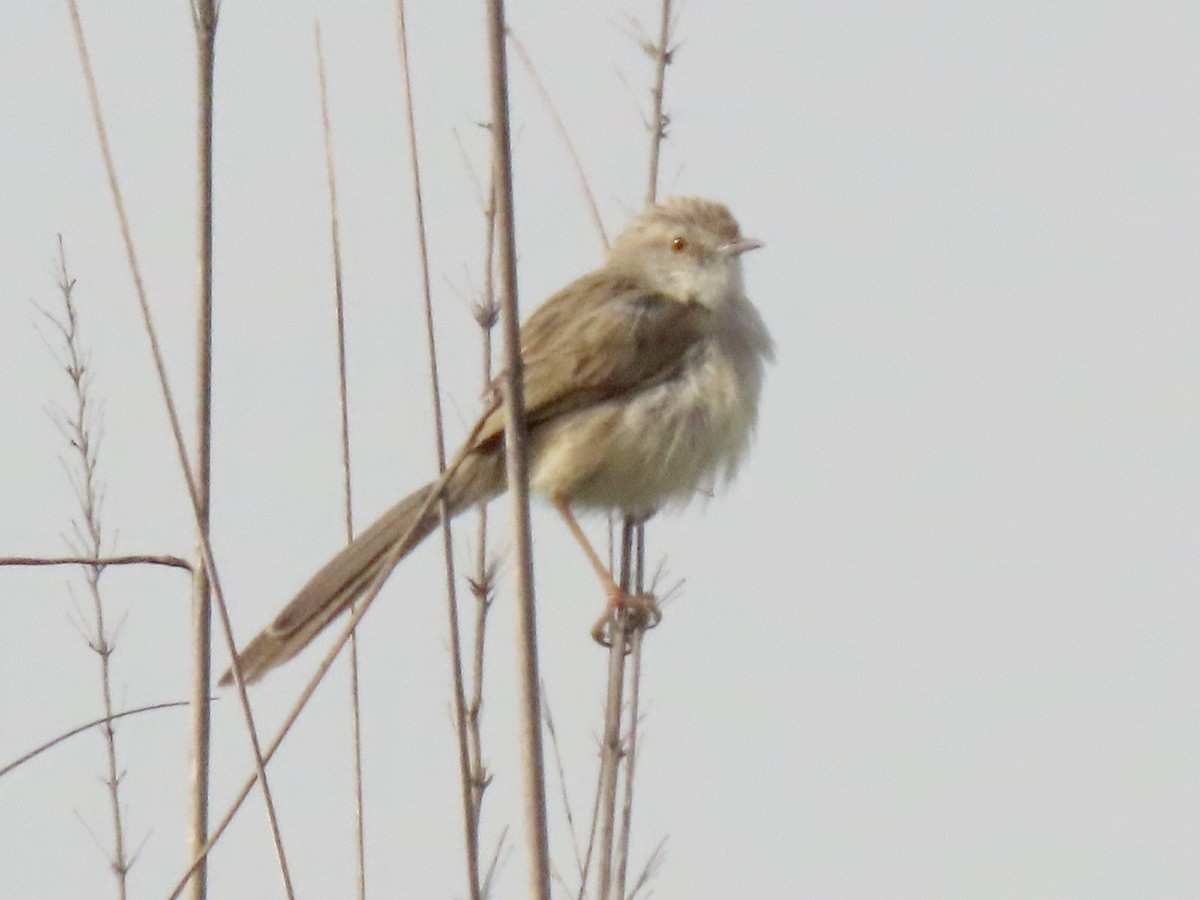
(610, 744)
(517, 466)
(347, 495)
(204, 20)
(630, 753)
(589, 854)
(562, 133)
(658, 125)
(470, 819)
(173, 562)
(42, 748)
(483, 583)
(494, 866)
(649, 870)
(82, 439)
(562, 786)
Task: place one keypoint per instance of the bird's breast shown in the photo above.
(662, 446)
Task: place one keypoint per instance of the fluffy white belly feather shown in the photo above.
(702, 423)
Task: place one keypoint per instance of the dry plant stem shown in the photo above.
(78, 427)
(344, 405)
(204, 549)
(633, 547)
(580, 869)
(576, 164)
(610, 755)
(205, 20)
(102, 645)
(359, 611)
(630, 753)
(173, 562)
(483, 584)
(610, 746)
(517, 466)
(589, 855)
(42, 748)
(489, 876)
(649, 870)
(483, 588)
(470, 829)
(662, 58)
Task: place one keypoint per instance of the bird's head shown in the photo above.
(687, 248)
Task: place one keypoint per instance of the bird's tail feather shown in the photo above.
(345, 577)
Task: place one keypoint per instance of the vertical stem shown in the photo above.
(610, 748)
(205, 17)
(470, 821)
(662, 57)
(561, 127)
(610, 765)
(483, 584)
(517, 467)
(90, 530)
(347, 494)
(635, 686)
(104, 648)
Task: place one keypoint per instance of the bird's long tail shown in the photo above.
(345, 577)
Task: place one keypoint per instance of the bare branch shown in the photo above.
(470, 815)
(653, 864)
(562, 785)
(78, 427)
(347, 495)
(173, 562)
(42, 748)
(576, 164)
(517, 466)
(658, 124)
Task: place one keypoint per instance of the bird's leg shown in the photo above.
(642, 605)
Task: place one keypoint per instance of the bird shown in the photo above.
(642, 382)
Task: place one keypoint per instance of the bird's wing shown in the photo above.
(578, 350)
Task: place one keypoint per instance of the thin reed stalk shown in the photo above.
(563, 134)
(633, 716)
(517, 466)
(347, 494)
(82, 433)
(610, 742)
(80, 729)
(661, 53)
(204, 18)
(470, 819)
(170, 562)
(483, 582)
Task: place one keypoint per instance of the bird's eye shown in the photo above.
(678, 244)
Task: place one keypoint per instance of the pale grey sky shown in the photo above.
(938, 641)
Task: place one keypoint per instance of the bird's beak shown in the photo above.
(737, 248)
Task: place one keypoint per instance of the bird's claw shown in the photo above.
(629, 612)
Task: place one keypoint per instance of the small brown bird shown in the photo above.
(641, 390)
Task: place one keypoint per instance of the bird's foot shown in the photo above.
(629, 612)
